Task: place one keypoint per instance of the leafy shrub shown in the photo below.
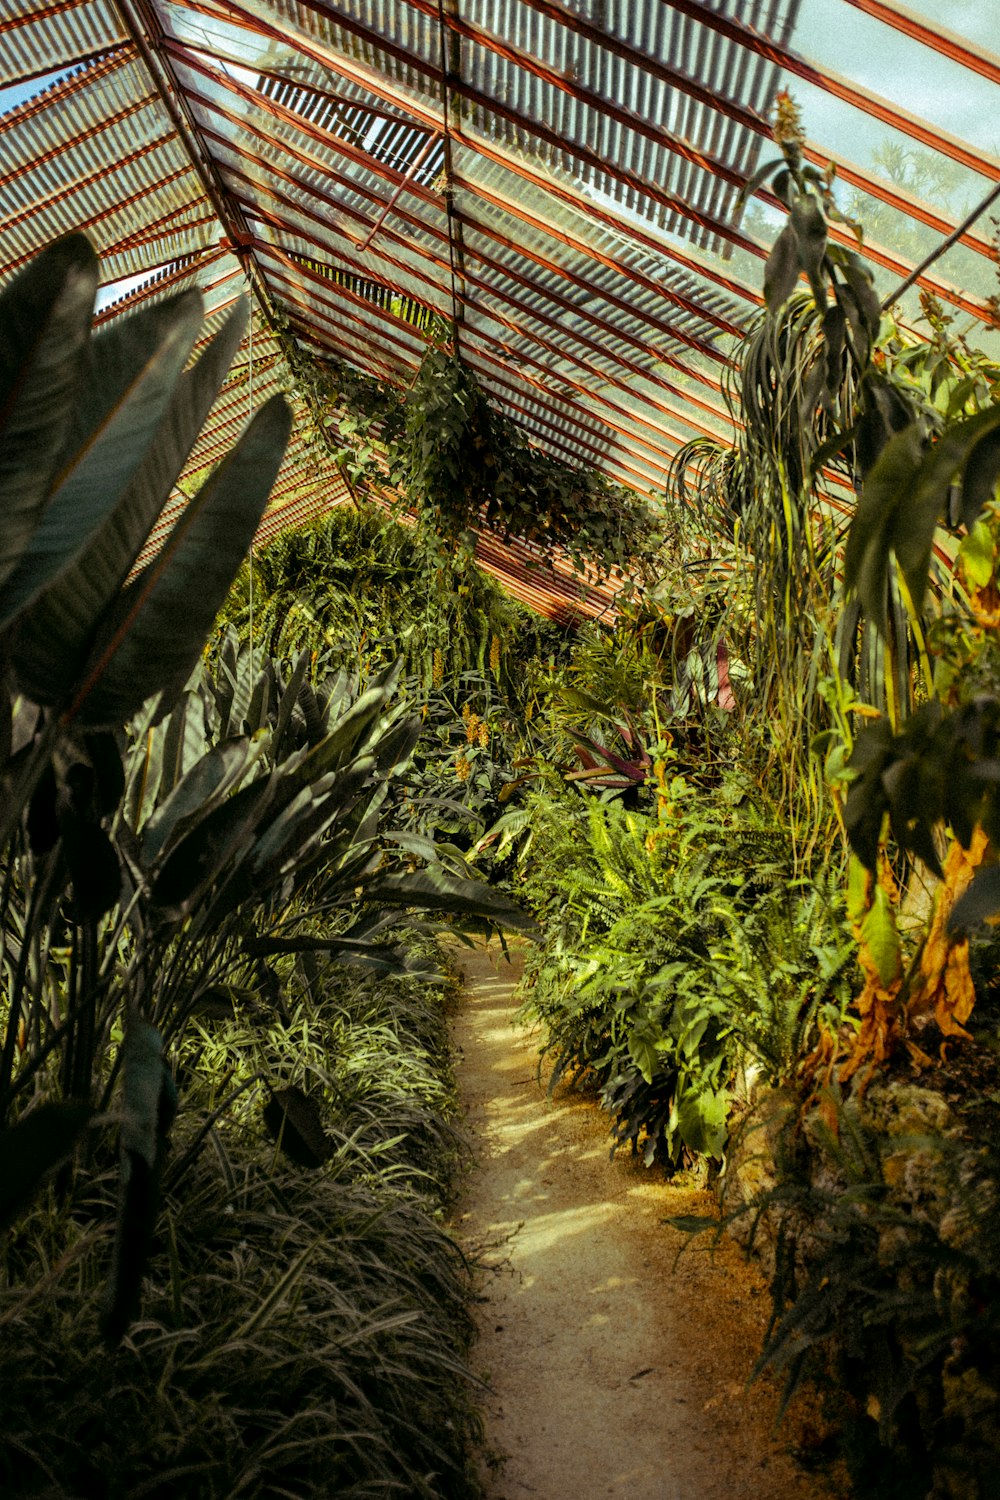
(672, 950)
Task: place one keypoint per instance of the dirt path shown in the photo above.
(611, 1373)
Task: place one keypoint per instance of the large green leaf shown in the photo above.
(45, 314)
(152, 637)
(52, 636)
(891, 481)
(197, 794)
(127, 377)
(903, 500)
(286, 704)
(881, 937)
(203, 853)
(781, 273)
(348, 737)
(701, 1120)
(434, 890)
(913, 534)
(979, 479)
(809, 224)
(184, 741)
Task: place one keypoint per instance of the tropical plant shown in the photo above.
(132, 891)
(886, 1278)
(93, 434)
(466, 463)
(663, 970)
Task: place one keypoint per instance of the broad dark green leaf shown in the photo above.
(343, 741)
(33, 1148)
(152, 637)
(149, 1102)
(834, 340)
(203, 853)
(759, 177)
(295, 1123)
(42, 823)
(109, 771)
(979, 478)
(197, 794)
(184, 742)
(911, 812)
(94, 868)
(887, 488)
(916, 520)
(45, 313)
(434, 890)
(810, 230)
(53, 635)
(781, 272)
(128, 376)
(286, 705)
(860, 282)
(142, 1081)
(979, 902)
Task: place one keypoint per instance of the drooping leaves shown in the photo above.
(905, 497)
(45, 313)
(781, 272)
(150, 640)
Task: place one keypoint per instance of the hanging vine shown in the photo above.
(461, 463)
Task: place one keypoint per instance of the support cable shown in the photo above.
(249, 416)
(946, 244)
(448, 189)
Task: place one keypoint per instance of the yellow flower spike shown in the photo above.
(787, 129)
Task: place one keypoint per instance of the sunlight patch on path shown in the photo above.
(610, 1374)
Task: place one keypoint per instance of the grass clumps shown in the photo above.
(302, 1328)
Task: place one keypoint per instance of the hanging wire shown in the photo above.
(249, 415)
(448, 190)
(946, 244)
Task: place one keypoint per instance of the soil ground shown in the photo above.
(612, 1367)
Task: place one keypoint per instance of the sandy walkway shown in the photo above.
(611, 1373)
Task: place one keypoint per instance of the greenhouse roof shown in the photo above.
(559, 177)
